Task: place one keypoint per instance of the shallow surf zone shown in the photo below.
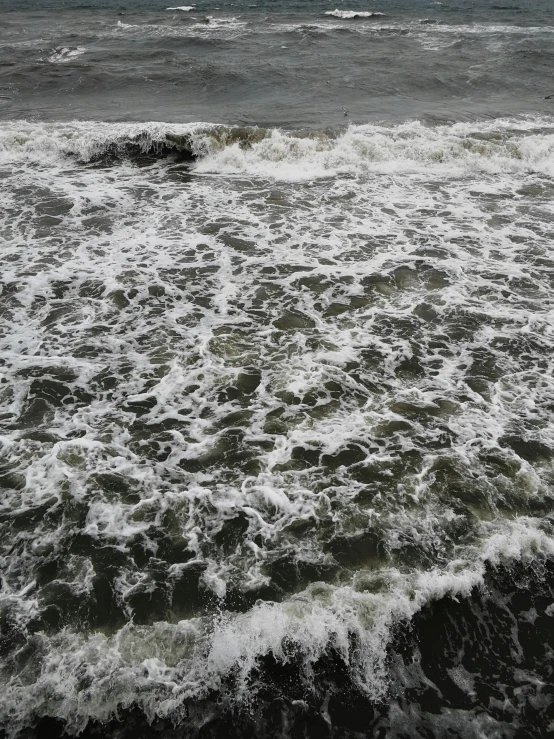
(277, 429)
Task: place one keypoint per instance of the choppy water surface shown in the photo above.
(286, 63)
(277, 418)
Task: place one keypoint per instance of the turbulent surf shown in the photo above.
(276, 390)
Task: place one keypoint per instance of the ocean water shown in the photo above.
(277, 369)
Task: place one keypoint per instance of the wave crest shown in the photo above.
(161, 667)
(447, 150)
(352, 14)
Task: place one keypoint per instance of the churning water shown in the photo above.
(277, 389)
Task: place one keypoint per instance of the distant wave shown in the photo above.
(63, 54)
(210, 27)
(184, 8)
(351, 14)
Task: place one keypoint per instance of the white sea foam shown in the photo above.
(440, 36)
(65, 53)
(432, 36)
(486, 28)
(388, 289)
(184, 8)
(370, 23)
(503, 146)
(53, 142)
(159, 667)
(211, 26)
(351, 14)
(451, 150)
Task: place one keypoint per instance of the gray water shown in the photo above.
(278, 63)
(276, 382)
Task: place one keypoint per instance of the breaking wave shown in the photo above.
(351, 14)
(502, 145)
(64, 54)
(267, 396)
(80, 677)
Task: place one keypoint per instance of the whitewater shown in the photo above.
(276, 431)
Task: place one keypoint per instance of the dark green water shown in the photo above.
(276, 400)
